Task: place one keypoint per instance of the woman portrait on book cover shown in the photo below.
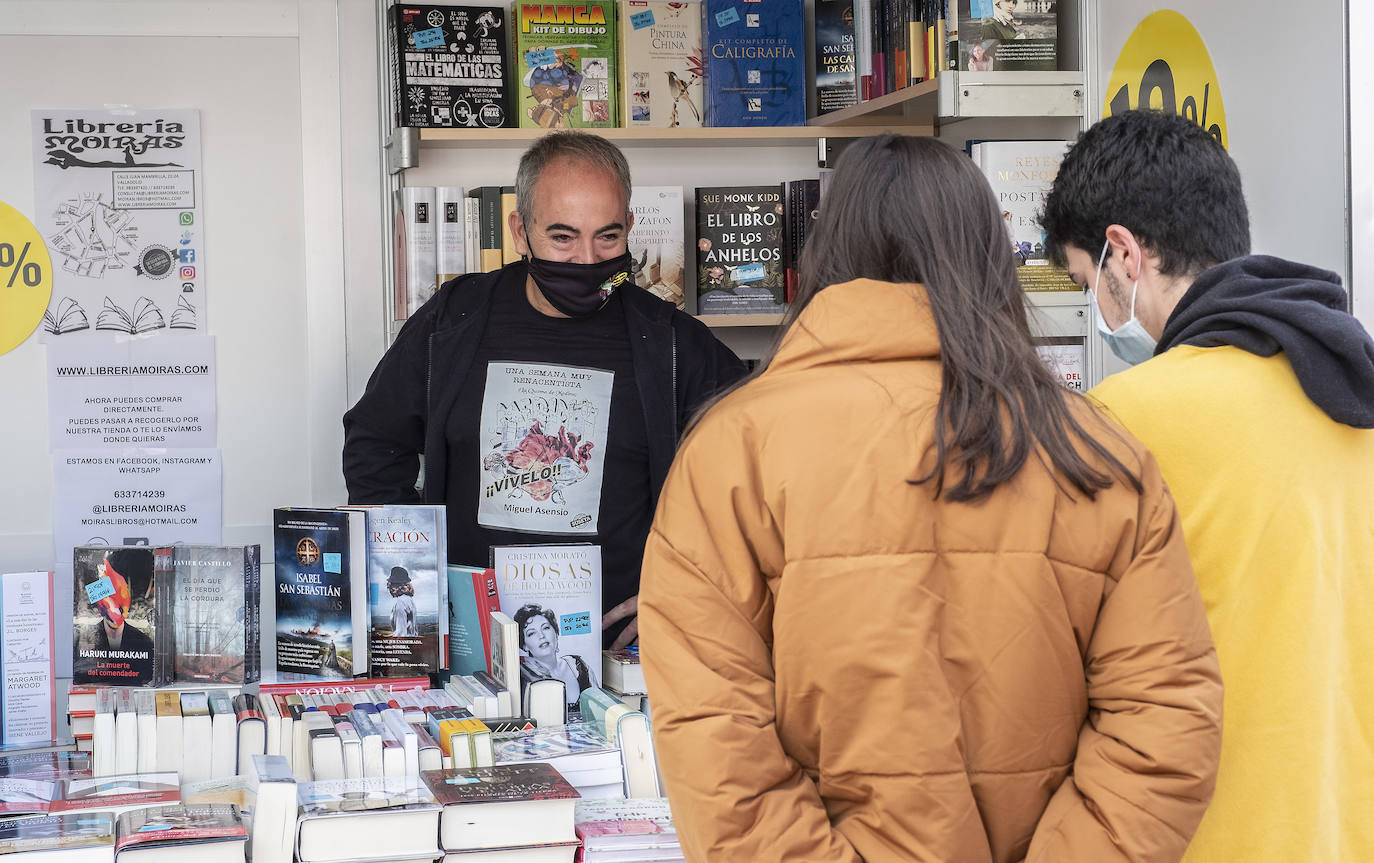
(403, 606)
(539, 642)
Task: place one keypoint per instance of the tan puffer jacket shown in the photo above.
(843, 669)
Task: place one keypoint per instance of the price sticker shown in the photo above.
(727, 17)
(99, 589)
(546, 57)
(750, 272)
(577, 623)
(426, 39)
(25, 278)
(640, 20)
(333, 562)
(1165, 66)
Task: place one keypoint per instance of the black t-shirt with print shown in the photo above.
(518, 332)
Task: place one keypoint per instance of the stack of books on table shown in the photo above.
(624, 677)
(213, 833)
(627, 831)
(522, 813)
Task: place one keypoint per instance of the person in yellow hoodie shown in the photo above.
(905, 598)
(1254, 388)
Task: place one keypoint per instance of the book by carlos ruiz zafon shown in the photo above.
(740, 267)
(656, 242)
(754, 53)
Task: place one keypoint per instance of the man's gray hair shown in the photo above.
(593, 150)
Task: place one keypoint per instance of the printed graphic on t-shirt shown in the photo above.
(543, 437)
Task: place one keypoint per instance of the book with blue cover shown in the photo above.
(755, 59)
(321, 593)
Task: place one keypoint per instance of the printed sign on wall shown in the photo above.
(1165, 65)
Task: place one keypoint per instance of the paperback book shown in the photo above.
(1021, 174)
(89, 832)
(450, 65)
(837, 85)
(503, 806)
(657, 248)
(180, 826)
(28, 672)
(755, 62)
(211, 603)
(553, 593)
(407, 587)
(740, 268)
(1006, 37)
(366, 819)
(115, 615)
(660, 64)
(565, 65)
(321, 592)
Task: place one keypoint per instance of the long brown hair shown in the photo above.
(913, 210)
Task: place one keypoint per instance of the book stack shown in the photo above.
(506, 812)
(366, 819)
(623, 830)
(624, 676)
(580, 751)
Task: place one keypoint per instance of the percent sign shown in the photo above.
(32, 271)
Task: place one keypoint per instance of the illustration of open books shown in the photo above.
(144, 318)
(184, 315)
(70, 318)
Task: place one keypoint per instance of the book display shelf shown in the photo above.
(955, 106)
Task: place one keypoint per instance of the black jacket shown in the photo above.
(678, 363)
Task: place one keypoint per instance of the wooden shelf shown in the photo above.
(745, 136)
(759, 320)
(916, 105)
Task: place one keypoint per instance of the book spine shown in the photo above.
(422, 263)
(450, 248)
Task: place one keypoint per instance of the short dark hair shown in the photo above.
(1161, 176)
(532, 609)
(585, 147)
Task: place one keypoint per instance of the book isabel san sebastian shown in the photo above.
(553, 593)
(28, 699)
(321, 593)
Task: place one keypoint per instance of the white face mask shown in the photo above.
(1129, 341)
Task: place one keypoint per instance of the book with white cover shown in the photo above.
(1021, 174)
(366, 819)
(553, 593)
(657, 245)
(450, 229)
(421, 257)
(28, 706)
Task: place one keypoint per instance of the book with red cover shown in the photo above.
(195, 824)
(499, 783)
(390, 684)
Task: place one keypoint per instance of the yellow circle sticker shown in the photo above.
(25, 278)
(1164, 65)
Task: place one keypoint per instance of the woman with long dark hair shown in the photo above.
(907, 598)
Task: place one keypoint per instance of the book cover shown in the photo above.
(553, 593)
(565, 61)
(45, 765)
(57, 832)
(406, 557)
(489, 230)
(165, 826)
(472, 597)
(498, 783)
(114, 616)
(755, 62)
(660, 64)
(656, 243)
(556, 741)
(320, 578)
(449, 65)
(999, 36)
(739, 250)
(1021, 174)
(419, 226)
(28, 671)
(344, 796)
(450, 230)
(837, 84)
(126, 791)
(211, 612)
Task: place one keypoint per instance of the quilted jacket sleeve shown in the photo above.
(706, 629)
(1148, 754)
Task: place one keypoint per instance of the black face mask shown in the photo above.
(578, 290)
